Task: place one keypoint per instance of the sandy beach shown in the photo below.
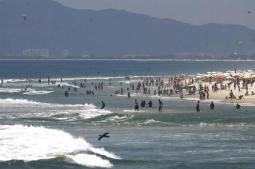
(234, 86)
(221, 94)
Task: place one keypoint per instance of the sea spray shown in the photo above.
(29, 143)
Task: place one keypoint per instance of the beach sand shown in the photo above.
(221, 94)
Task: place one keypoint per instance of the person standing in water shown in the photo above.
(129, 95)
(150, 104)
(198, 107)
(136, 105)
(160, 105)
(212, 106)
(48, 80)
(103, 105)
(238, 106)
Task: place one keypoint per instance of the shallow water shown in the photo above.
(40, 128)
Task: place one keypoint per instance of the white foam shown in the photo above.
(30, 102)
(118, 119)
(152, 121)
(14, 80)
(82, 78)
(39, 109)
(10, 90)
(132, 111)
(37, 92)
(28, 143)
(165, 97)
(17, 101)
(130, 81)
(67, 84)
(90, 160)
(105, 78)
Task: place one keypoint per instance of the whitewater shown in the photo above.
(28, 143)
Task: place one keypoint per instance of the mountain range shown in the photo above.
(46, 24)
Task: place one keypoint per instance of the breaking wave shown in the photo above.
(37, 92)
(28, 143)
(56, 111)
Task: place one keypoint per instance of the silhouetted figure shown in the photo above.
(143, 104)
(198, 107)
(150, 104)
(160, 105)
(103, 105)
(212, 106)
(136, 105)
(75, 89)
(238, 106)
(105, 135)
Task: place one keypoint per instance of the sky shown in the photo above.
(196, 12)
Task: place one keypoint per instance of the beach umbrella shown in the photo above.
(236, 74)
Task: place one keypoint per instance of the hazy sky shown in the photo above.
(191, 11)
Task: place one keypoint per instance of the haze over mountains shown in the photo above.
(53, 30)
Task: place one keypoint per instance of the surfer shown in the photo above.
(198, 107)
(212, 106)
(103, 105)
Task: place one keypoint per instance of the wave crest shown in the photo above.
(28, 143)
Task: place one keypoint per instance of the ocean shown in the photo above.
(40, 128)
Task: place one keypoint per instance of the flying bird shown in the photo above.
(249, 12)
(105, 135)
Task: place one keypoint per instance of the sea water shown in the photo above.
(41, 128)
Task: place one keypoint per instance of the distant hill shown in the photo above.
(38, 24)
